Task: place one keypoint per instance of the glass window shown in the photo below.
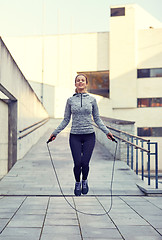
(156, 72)
(150, 132)
(156, 102)
(117, 12)
(144, 132)
(157, 131)
(149, 72)
(149, 102)
(143, 73)
(143, 102)
(98, 82)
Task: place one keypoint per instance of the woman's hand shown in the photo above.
(110, 136)
(52, 137)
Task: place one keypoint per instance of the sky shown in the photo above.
(37, 17)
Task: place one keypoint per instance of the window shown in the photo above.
(156, 102)
(149, 102)
(150, 132)
(98, 82)
(149, 72)
(143, 73)
(117, 12)
(156, 72)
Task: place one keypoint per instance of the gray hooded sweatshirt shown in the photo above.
(82, 107)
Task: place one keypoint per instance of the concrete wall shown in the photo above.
(48, 95)
(149, 48)
(130, 49)
(123, 55)
(3, 138)
(134, 45)
(28, 109)
(60, 57)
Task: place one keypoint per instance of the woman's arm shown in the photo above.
(65, 121)
(99, 122)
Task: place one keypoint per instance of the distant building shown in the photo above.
(124, 67)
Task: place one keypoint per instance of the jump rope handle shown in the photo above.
(49, 140)
(113, 139)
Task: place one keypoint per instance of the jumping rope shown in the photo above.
(74, 208)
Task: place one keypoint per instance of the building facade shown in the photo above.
(124, 67)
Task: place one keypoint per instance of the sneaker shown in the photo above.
(77, 190)
(85, 188)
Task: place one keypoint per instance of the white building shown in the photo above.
(126, 63)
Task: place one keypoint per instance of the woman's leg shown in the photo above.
(87, 148)
(76, 150)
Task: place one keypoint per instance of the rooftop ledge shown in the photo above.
(116, 121)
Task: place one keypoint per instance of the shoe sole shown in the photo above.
(85, 191)
(77, 194)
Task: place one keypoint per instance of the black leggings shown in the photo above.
(82, 146)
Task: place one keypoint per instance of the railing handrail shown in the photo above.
(41, 123)
(26, 128)
(133, 145)
(126, 141)
(131, 135)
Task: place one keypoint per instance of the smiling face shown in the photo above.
(81, 83)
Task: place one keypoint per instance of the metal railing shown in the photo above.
(134, 145)
(32, 128)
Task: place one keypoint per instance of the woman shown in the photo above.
(82, 107)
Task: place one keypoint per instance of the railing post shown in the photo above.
(132, 154)
(128, 151)
(142, 164)
(137, 156)
(148, 164)
(156, 164)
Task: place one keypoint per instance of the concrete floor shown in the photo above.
(32, 206)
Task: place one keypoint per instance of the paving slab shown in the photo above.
(32, 207)
(20, 233)
(139, 232)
